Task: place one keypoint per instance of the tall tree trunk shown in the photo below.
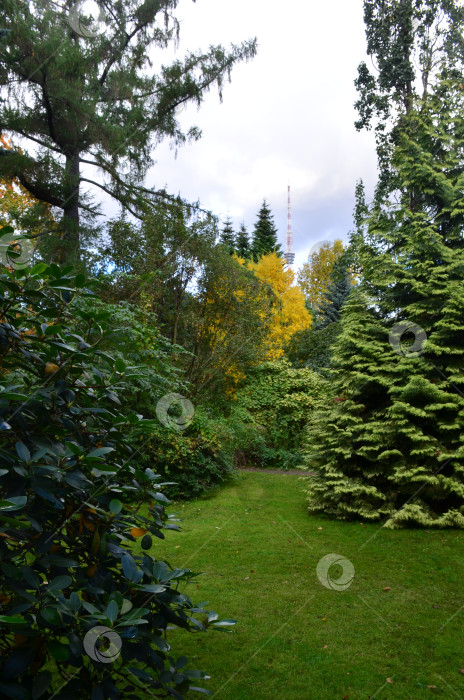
(68, 249)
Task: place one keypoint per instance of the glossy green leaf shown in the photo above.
(13, 503)
(120, 365)
(23, 452)
(100, 451)
(59, 651)
(12, 620)
(115, 506)
(112, 611)
(59, 583)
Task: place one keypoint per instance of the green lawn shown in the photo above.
(296, 639)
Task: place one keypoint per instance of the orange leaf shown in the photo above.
(138, 532)
(88, 524)
(91, 570)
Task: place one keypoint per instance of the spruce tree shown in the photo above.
(337, 293)
(227, 237)
(243, 248)
(264, 239)
(390, 446)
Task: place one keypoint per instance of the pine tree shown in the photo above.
(391, 444)
(243, 249)
(227, 237)
(264, 239)
(83, 98)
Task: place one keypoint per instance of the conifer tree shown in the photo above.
(264, 239)
(390, 446)
(336, 294)
(87, 97)
(227, 237)
(243, 249)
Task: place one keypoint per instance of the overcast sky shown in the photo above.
(286, 118)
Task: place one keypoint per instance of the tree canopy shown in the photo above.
(89, 108)
(290, 313)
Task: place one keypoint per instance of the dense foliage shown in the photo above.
(73, 503)
(216, 313)
(85, 95)
(289, 313)
(312, 347)
(410, 43)
(275, 406)
(390, 446)
(315, 275)
(196, 459)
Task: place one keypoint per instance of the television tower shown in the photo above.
(289, 254)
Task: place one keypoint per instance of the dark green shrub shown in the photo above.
(197, 459)
(73, 502)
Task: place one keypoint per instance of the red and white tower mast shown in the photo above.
(289, 254)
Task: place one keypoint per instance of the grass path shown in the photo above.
(296, 639)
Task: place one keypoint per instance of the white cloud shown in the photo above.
(287, 116)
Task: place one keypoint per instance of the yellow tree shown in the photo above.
(225, 327)
(314, 276)
(290, 313)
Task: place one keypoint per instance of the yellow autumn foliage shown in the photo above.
(290, 313)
